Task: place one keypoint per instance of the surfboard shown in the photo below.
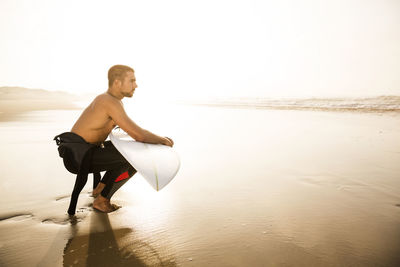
(157, 163)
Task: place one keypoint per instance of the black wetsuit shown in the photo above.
(81, 158)
(118, 170)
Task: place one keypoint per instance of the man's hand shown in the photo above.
(168, 142)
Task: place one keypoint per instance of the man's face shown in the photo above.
(128, 85)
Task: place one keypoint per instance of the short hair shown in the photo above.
(117, 72)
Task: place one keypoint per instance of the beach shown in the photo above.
(256, 187)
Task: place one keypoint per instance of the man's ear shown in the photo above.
(117, 82)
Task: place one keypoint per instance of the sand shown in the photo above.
(255, 188)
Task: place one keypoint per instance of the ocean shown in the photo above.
(370, 104)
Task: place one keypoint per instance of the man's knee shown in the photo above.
(131, 171)
(128, 172)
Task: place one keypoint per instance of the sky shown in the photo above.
(205, 49)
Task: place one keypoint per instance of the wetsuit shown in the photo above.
(118, 170)
(81, 158)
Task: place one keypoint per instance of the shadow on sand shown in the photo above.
(107, 247)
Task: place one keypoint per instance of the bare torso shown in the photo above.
(103, 114)
(95, 124)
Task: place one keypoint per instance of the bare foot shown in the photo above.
(103, 204)
(115, 206)
(98, 189)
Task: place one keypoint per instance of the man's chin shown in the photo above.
(128, 95)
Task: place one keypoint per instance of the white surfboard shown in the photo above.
(157, 163)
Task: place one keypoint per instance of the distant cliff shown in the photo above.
(18, 99)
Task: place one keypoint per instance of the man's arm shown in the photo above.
(117, 113)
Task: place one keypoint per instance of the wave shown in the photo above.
(371, 104)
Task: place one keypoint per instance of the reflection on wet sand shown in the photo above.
(105, 246)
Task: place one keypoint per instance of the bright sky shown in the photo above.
(207, 48)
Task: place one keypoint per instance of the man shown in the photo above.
(96, 122)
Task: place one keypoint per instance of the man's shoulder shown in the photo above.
(106, 99)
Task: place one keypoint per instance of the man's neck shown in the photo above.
(114, 94)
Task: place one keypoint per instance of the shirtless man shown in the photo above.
(96, 122)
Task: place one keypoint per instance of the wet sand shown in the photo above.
(256, 188)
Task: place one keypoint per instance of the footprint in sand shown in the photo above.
(68, 196)
(62, 197)
(16, 216)
(67, 219)
(62, 221)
